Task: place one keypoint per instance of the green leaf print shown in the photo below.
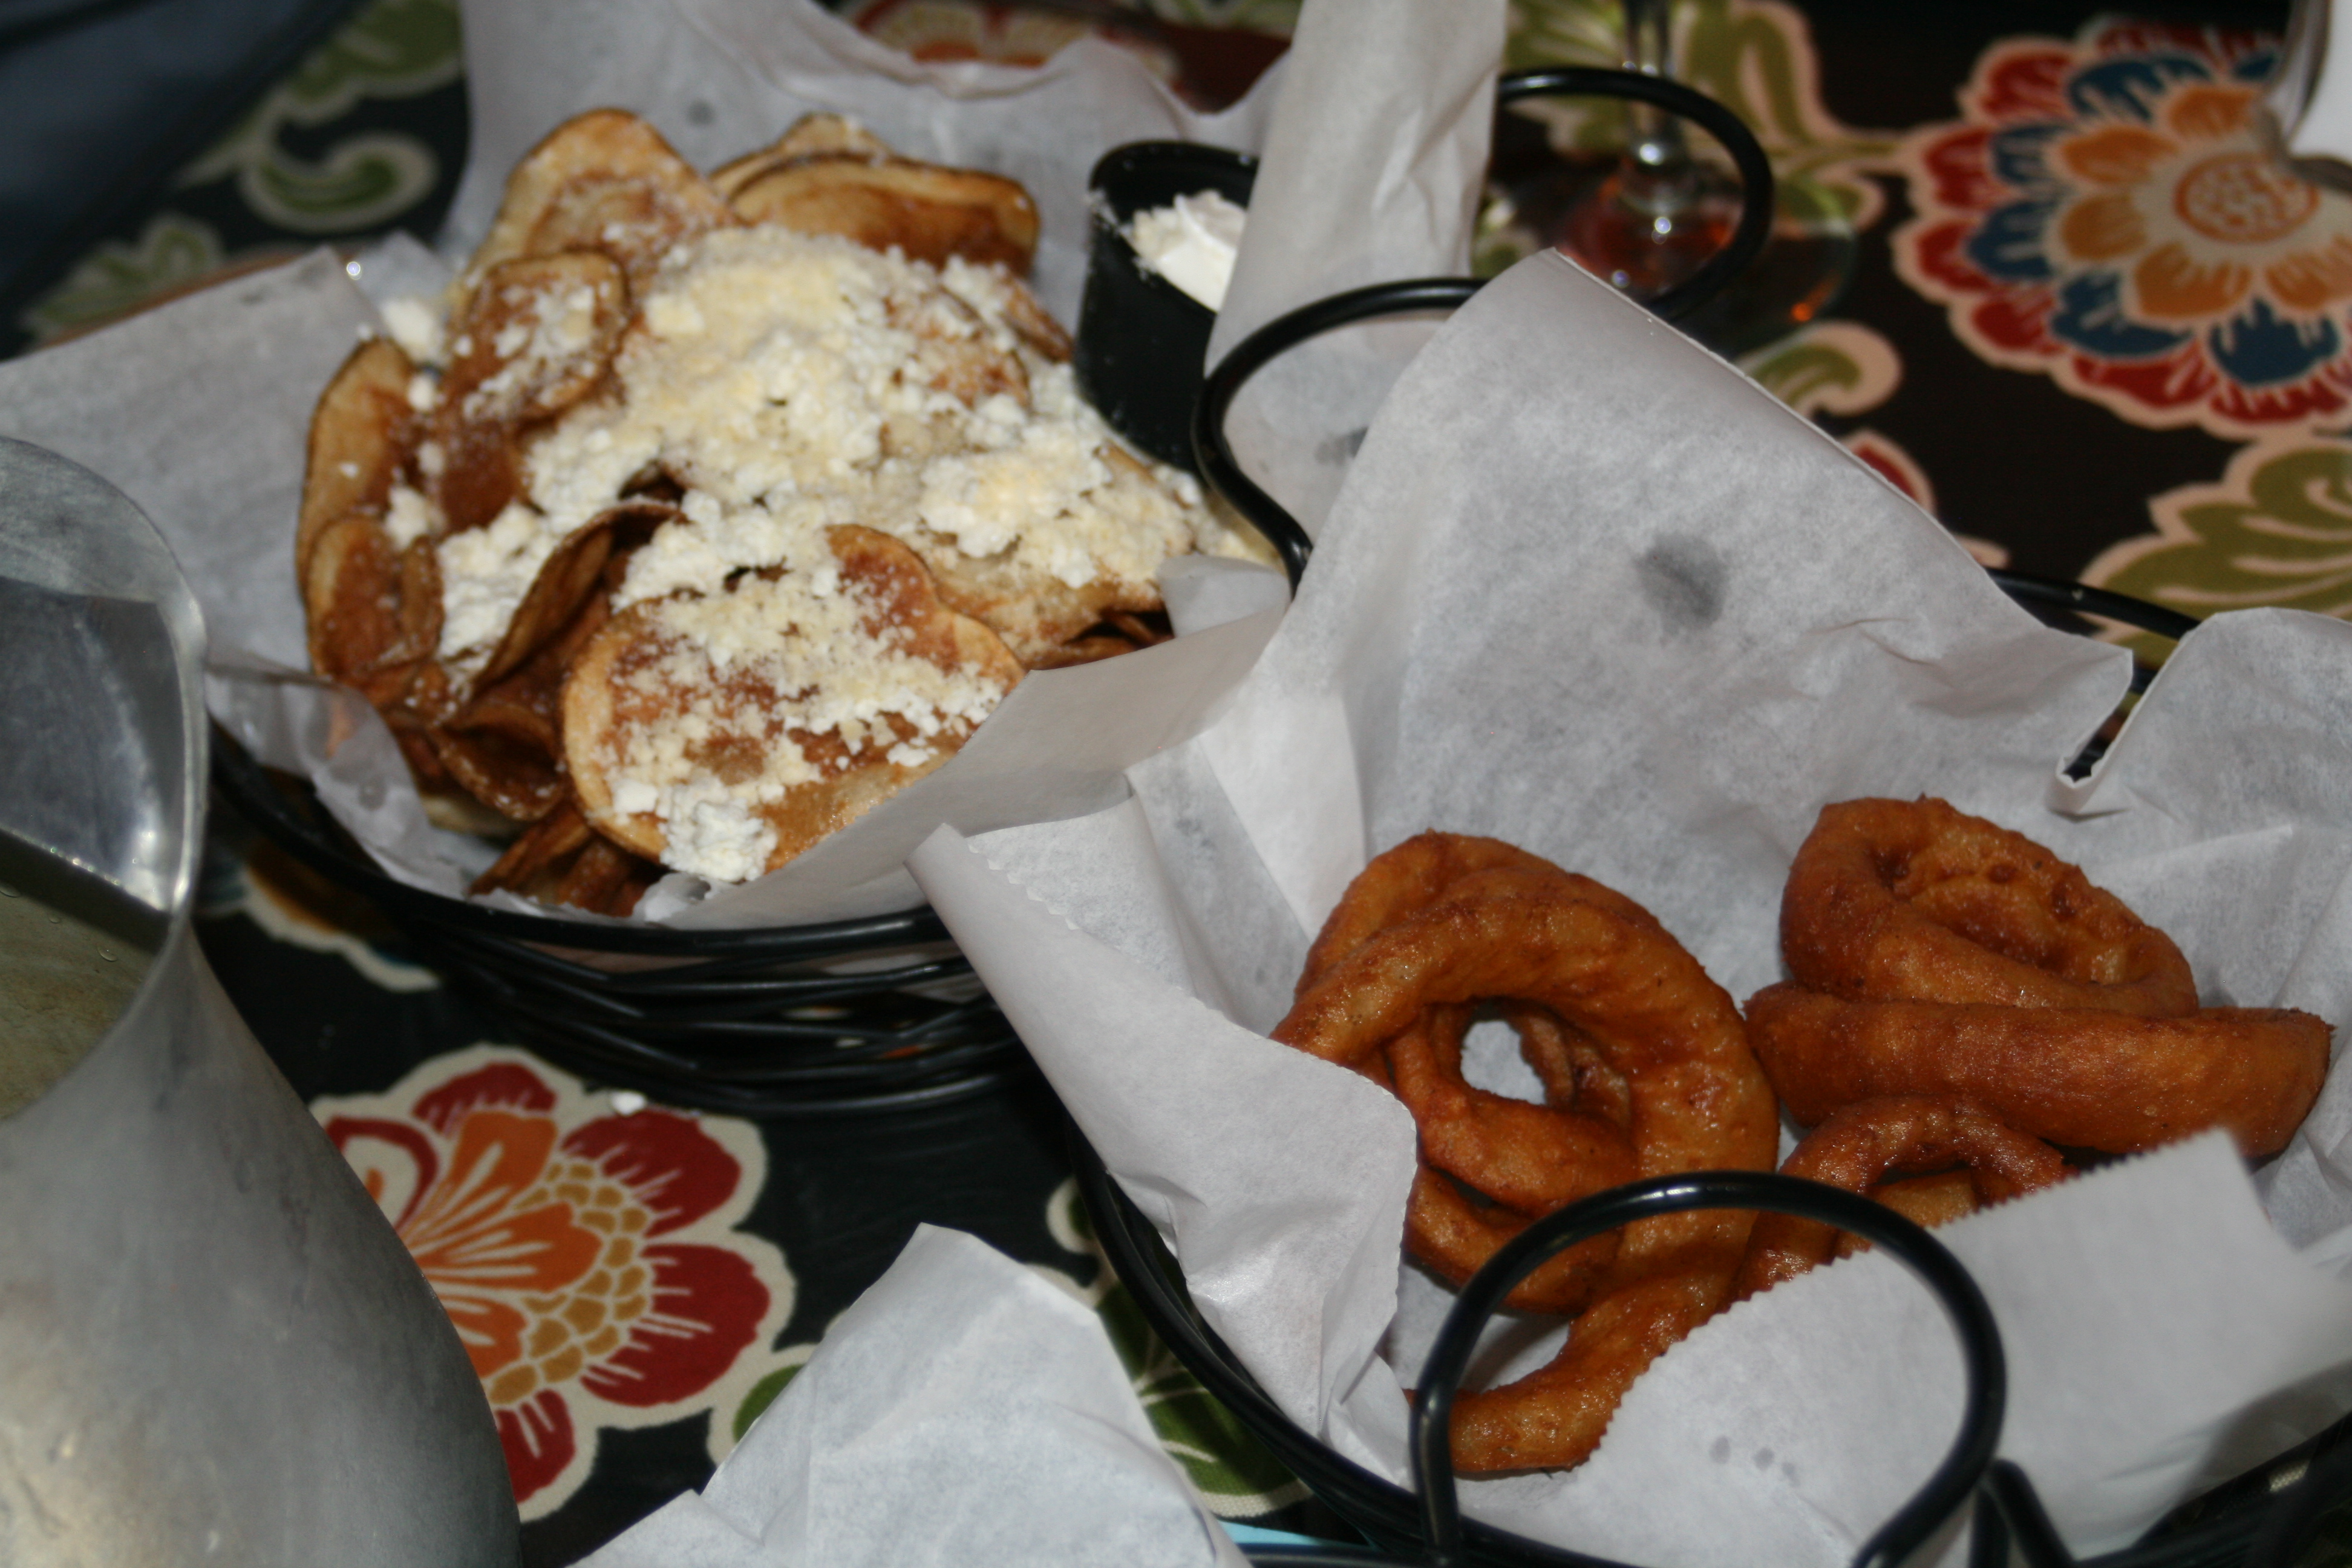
(762, 1394)
(1232, 1469)
(2277, 531)
(1235, 1474)
(1801, 371)
(361, 183)
(1836, 367)
(391, 48)
(1755, 55)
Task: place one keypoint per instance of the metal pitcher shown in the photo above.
(212, 1347)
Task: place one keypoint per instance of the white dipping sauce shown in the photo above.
(1192, 242)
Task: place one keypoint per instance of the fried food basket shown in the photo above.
(2265, 1516)
(878, 1013)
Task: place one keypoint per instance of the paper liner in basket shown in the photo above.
(197, 410)
(962, 1411)
(1589, 590)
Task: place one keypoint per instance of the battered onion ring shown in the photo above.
(2077, 1076)
(1608, 969)
(1452, 1233)
(1858, 1146)
(1404, 881)
(1893, 900)
(1518, 1161)
(1575, 1072)
(1523, 1161)
(1515, 1152)
(1925, 1200)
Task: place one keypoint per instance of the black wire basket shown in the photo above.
(833, 1019)
(839, 1018)
(2258, 1520)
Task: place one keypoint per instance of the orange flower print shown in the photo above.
(2107, 211)
(587, 1259)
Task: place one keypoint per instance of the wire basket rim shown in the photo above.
(250, 788)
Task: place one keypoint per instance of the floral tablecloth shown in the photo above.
(2089, 325)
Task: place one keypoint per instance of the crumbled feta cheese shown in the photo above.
(787, 383)
(550, 328)
(747, 684)
(485, 573)
(409, 516)
(788, 380)
(416, 325)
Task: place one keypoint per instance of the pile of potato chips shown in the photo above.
(718, 509)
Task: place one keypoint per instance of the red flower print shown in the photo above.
(587, 1257)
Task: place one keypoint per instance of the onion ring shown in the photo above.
(1404, 881)
(1451, 1231)
(1858, 1146)
(1913, 900)
(1516, 1152)
(1697, 1101)
(1471, 1138)
(1521, 1161)
(2083, 1077)
(1925, 1200)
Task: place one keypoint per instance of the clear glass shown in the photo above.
(1659, 212)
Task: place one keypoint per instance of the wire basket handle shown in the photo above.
(1213, 454)
(1945, 1493)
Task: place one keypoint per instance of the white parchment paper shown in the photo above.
(1589, 590)
(2307, 103)
(962, 1414)
(198, 410)
(1374, 166)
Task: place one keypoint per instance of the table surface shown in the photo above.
(2086, 326)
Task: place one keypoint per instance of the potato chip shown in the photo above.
(360, 436)
(604, 878)
(925, 212)
(1020, 309)
(535, 336)
(604, 181)
(505, 745)
(810, 136)
(1081, 650)
(511, 776)
(727, 742)
(1144, 630)
(956, 351)
(374, 611)
(1034, 610)
(568, 577)
(540, 850)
